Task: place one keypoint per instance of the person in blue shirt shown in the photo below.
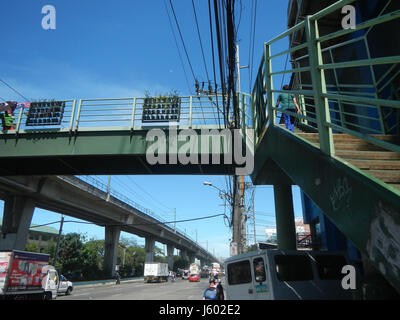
(288, 102)
(211, 292)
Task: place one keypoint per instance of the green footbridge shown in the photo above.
(344, 153)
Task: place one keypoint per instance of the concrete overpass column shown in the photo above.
(182, 253)
(111, 249)
(17, 216)
(192, 257)
(285, 224)
(149, 247)
(170, 256)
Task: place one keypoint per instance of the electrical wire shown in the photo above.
(132, 224)
(177, 47)
(201, 44)
(183, 42)
(17, 92)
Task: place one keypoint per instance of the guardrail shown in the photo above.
(327, 98)
(201, 111)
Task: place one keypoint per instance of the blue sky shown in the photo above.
(121, 48)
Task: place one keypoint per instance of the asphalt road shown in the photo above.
(139, 290)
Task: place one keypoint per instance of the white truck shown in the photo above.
(155, 271)
(286, 275)
(194, 268)
(27, 275)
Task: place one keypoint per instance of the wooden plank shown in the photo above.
(365, 155)
(392, 176)
(376, 164)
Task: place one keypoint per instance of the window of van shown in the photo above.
(293, 268)
(239, 272)
(330, 266)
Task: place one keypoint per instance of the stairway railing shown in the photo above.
(328, 104)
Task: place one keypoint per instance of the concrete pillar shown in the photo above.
(170, 256)
(149, 247)
(111, 249)
(285, 224)
(192, 257)
(183, 254)
(17, 217)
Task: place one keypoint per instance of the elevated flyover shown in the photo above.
(80, 199)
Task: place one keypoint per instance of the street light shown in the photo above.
(221, 192)
(236, 221)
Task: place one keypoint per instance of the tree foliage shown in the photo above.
(82, 259)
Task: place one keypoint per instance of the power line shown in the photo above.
(13, 89)
(201, 44)
(132, 224)
(183, 42)
(143, 190)
(252, 41)
(177, 47)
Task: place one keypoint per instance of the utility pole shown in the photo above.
(239, 219)
(254, 215)
(174, 220)
(108, 188)
(58, 241)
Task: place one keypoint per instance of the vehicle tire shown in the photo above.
(48, 296)
(68, 292)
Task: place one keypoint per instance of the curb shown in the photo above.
(104, 282)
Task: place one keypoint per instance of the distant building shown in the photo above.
(41, 236)
(270, 235)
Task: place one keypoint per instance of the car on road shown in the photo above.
(194, 277)
(64, 286)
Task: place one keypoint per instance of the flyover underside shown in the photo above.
(55, 194)
(362, 207)
(111, 152)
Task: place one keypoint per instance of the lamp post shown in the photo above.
(237, 244)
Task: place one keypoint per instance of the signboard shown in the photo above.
(26, 271)
(45, 113)
(161, 109)
(234, 249)
(4, 262)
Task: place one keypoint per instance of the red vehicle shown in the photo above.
(194, 278)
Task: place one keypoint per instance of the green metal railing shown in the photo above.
(196, 112)
(327, 104)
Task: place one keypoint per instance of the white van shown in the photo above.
(286, 275)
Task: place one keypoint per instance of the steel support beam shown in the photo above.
(285, 226)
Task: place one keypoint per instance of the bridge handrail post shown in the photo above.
(78, 115)
(269, 84)
(71, 122)
(133, 113)
(19, 120)
(190, 111)
(319, 86)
